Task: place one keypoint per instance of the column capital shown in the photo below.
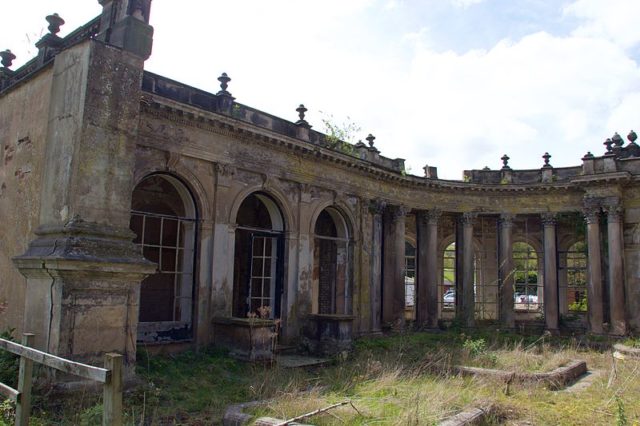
(468, 218)
(396, 212)
(506, 220)
(614, 211)
(430, 217)
(549, 218)
(591, 214)
(377, 206)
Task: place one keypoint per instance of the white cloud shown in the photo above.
(523, 98)
(616, 20)
(464, 4)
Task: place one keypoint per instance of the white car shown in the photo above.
(449, 298)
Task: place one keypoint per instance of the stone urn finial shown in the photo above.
(505, 162)
(224, 80)
(301, 111)
(7, 58)
(617, 140)
(632, 136)
(546, 158)
(55, 22)
(608, 144)
(370, 139)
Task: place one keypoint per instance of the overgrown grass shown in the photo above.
(390, 380)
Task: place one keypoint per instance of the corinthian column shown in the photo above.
(616, 271)
(467, 305)
(594, 286)
(393, 300)
(427, 304)
(505, 270)
(550, 272)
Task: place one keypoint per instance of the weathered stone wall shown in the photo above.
(24, 115)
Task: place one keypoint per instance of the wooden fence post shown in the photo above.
(25, 379)
(112, 415)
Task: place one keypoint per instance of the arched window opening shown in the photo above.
(526, 277)
(332, 264)
(258, 258)
(409, 274)
(163, 217)
(576, 270)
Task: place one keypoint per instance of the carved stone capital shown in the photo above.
(396, 212)
(468, 218)
(430, 217)
(548, 219)
(377, 206)
(225, 173)
(591, 214)
(614, 212)
(506, 220)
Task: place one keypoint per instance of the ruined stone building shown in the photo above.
(139, 210)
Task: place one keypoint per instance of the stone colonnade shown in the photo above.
(428, 255)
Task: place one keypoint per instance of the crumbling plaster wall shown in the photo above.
(23, 120)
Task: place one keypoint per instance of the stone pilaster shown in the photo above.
(594, 286)
(551, 309)
(467, 302)
(427, 279)
(376, 209)
(616, 271)
(505, 270)
(393, 298)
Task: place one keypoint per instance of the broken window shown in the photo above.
(331, 264)
(258, 259)
(163, 217)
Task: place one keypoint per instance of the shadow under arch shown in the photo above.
(332, 262)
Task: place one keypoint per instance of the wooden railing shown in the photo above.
(110, 376)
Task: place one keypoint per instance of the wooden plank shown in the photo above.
(112, 403)
(25, 377)
(76, 368)
(9, 392)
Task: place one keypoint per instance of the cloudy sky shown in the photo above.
(450, 83)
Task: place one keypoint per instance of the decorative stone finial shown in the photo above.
(608, 144)
(632, 136)
(486, 169)
(588, 156)
(302, 122)
(546, 158)
(224, 80)
(301, 110)
(370, 139)
(55, 22)
(617, 140)
(7, 58)
(505, 162)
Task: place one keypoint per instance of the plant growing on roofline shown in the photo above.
(340, 136)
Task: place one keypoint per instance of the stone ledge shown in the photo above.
(472, 416)
(556, 379)
(627, 350)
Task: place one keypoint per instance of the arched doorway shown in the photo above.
(164, 217)
(331, 264)
(258, 258)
